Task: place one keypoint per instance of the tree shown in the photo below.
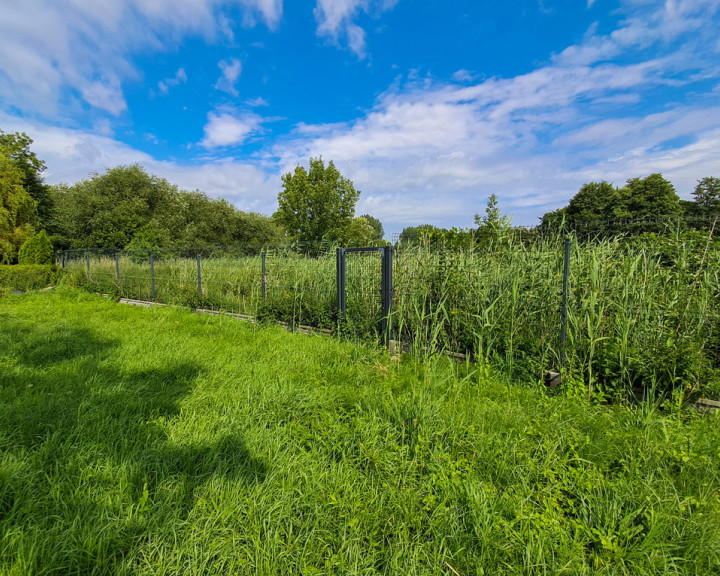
(593, 204)
(36, 250)
(17, 146)
(707, 195)
(415, 234)
(493, 225)
(376, 225)
(359, 232)
(17, 210)
(314, 204)
(650, 197)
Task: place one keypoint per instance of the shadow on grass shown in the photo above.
(87, 470)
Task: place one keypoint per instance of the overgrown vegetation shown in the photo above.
(28, 277)
(152, 441)
(642, 311)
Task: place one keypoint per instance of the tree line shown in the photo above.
(128, 208)
(598, 208)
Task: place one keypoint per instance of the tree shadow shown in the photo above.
(80, 435)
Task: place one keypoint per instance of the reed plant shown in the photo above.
(642, 312)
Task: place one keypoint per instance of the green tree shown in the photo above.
(17, 210)
(593, 204)
(416, 234)
(650, 197)
(707, 195)
(106, 210)
(36, 250)
(17, 146)
(494, 225)
(376, 225)
(316, 203)
(359, 232)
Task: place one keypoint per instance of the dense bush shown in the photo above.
(36, 250)
(28, 277)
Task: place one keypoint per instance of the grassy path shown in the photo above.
(154, 441)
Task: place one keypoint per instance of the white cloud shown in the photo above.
(432, 152)
(106, 95)
(227, 128)
(335, 20)
(231, 70)
(59, 52)
(179, 78)
(257, 102)
(463, 75)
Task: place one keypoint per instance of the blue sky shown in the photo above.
(428, 106)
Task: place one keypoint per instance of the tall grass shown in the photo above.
(153, 441)
(642, 311)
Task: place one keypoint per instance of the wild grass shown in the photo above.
(154, 441)
(642, 312)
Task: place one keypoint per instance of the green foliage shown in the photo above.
(649, 197)
(231, 448)
(36, 250)
(108, 210)
(314, 205)
(414, 235)
(17, 209)
(17, 146)
(150, 239)
(359, 232)
(376, 225)
(494, 227)
(594, 204)
(28, 277)
(598, 207)
(707, 195)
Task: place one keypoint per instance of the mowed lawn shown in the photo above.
(156, 441)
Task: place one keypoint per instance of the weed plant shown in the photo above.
(154, 441)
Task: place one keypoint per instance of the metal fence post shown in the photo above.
(152, 276)
(117, 267)
(87, 265)
(264, 277)
(387, 291)
(64, 259)
(340, 262)
(563, 311)
(199, 269)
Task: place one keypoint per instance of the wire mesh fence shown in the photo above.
(638, 309)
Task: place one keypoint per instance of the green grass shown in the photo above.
(155, 441)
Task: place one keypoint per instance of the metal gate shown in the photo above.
(368, 283)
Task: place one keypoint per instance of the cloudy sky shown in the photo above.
(429, 106)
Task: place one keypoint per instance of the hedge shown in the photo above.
(28, 277)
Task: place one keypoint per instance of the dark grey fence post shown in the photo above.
(340, 262)
(199, 268)
(117, 267)
(387, 291)
(152, 276)
(264, 277)
(563, 311)
(87, 265)
(64, 259)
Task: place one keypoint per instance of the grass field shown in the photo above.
(155, 441)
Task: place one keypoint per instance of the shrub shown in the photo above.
(28, 277)
(36, 250)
